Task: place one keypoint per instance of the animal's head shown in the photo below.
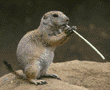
(55, 18)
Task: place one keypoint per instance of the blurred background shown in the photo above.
(90, 16)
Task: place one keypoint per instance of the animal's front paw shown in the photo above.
(68, 30)
(73, 27)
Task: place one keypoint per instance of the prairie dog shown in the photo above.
(35, 51)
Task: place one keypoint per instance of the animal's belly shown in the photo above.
(47, 57)
(45, 60)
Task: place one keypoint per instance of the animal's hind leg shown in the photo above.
(52, 76)
(32, 71)
(44, 74)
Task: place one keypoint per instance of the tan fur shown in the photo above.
(35, 51)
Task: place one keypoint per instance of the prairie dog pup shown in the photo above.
(35, 51)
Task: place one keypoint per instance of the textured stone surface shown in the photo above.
(75, 75)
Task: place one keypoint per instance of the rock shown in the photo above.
(75, 75)
(11, 82)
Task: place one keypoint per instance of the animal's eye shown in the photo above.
(55, 15)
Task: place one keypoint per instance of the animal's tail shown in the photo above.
(11, 69)
(8, 66)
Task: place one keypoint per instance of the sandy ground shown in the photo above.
(75, 75)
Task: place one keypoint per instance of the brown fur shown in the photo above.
(35, 51)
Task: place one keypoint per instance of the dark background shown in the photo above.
(90, 16)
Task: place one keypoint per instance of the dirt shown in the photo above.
(75, 75)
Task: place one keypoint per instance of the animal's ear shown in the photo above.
(45, 17)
